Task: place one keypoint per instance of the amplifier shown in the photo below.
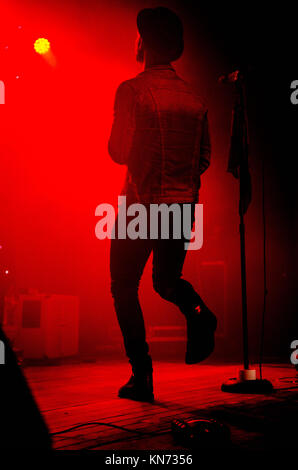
(43, 326)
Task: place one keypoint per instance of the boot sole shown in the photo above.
(148, 399)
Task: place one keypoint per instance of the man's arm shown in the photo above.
(205, 147)
(120, 140)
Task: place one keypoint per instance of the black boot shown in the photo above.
(201, 326)
(140, 385)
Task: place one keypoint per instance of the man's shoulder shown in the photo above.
(189, 88)
(128, 87)
(125, 91)
(134, 84)
(125, 85)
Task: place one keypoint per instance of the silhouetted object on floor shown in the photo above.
(22, 426)
(201, 433)
(235, 385)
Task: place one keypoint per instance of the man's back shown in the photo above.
(165, 143)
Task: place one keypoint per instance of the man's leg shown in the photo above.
(127, 261)
(168, 259)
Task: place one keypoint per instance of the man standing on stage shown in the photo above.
(160, 131)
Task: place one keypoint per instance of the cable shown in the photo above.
(101, 444)
(96, 423)
(264, 270)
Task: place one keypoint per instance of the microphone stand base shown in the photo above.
(256, 386)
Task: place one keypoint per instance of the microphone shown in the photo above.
(230, 77)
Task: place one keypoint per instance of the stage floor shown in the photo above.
(73, 394)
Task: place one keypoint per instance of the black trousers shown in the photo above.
(127, 262)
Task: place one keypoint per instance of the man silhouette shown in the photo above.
(160, 131)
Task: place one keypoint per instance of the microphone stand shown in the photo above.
(247, 381)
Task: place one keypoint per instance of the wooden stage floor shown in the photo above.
(73, 394)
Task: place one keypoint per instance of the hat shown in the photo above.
(162, 31)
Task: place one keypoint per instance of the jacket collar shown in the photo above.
(160, 67)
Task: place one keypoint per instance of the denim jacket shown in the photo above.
(160, 131)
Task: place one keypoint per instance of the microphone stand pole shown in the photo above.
(247, 381)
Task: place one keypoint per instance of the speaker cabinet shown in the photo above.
(43, 326)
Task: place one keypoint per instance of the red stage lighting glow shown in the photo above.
(42, 46)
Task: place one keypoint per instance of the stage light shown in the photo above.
(42, 46)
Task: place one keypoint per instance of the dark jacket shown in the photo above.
(160, 131)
